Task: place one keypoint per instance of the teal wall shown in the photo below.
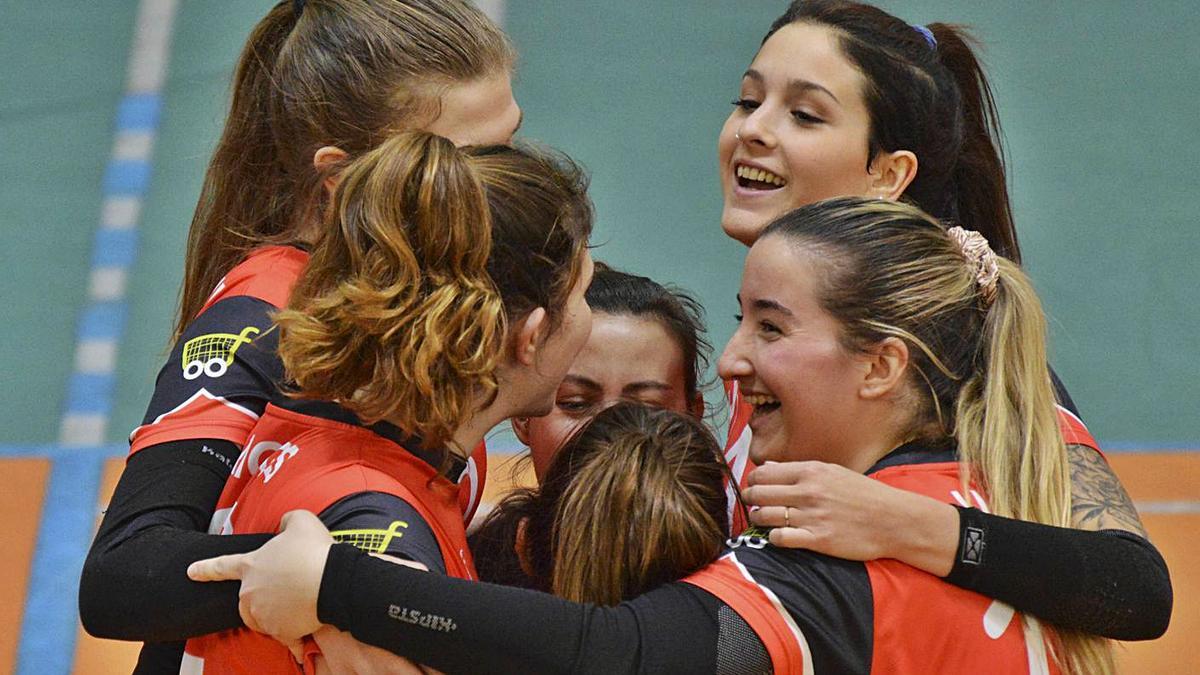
(1098, 99)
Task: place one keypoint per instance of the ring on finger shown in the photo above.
(787, 516)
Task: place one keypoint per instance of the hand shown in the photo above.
(343, 654)
(830, 509)
(280, 581)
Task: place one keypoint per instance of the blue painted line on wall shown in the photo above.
(114, 248)
(126, 177)
(49, 625)
(54, 452)
(103, 321)
(90, 393)
(139, 112)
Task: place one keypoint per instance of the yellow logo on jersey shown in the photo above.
(371, 540)
(211, 354)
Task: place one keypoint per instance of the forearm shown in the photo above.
(458, 626)
(134, 584)
(1110, 583)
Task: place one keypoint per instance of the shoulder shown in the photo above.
(267, 273)
(807, 608)
(384, 523)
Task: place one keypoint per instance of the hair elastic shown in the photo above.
(928, 35)
(979, 255)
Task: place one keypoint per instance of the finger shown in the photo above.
(779, 473)
(773, 516)
(299, 520)
(223, 568)
(791, 537)
(796, 496)
(400, 561)
(296, 647)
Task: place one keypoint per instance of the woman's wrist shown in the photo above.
(925, 533)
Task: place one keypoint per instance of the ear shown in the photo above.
(520, 427)
(325, 160)
(891, 173)
(522, 549)
(884, 368)
(530, 333)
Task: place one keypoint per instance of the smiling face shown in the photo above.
(798, 133)
(789, 362)
(626, 358)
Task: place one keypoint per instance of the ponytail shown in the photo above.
(244, 201)
(342, 73)
(397, 316)
(1007, 408)
(978, 182)
(661, 470)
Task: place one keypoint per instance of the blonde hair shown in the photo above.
(344, 73)
(428, 252)
(979, 364)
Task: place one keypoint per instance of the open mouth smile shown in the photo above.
(753, 178)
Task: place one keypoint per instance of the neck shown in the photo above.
(472, 431)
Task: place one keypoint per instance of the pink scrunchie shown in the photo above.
(979, 254)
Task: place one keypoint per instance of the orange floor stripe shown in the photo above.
(1165, 476)
(1175, 536)
(21, 506)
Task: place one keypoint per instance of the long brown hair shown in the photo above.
(427, 254)
(635, 499)
(978, 360)
(928, 95)
(344, 73)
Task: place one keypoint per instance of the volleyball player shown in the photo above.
(446, 296)
(318, 83)
(845, 99)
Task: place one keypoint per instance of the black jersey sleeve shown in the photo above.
(458, 626)
(1111, 582)
(1061, 393)
(382, 523)
(134, 584)
(229, 350)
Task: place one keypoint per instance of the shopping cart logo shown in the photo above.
(211, 354)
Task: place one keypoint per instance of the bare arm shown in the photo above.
(1098, 500)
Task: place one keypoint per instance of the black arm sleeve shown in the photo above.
(134, 584)
(468, 627)
(1110, 583)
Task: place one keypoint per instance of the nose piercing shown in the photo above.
(737, 135)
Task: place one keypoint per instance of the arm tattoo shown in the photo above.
(1098, 500)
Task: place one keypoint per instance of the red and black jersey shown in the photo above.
(225, 368)
(817, 614)
(737, 441)
(372, 486)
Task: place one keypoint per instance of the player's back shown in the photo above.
(313, 456)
